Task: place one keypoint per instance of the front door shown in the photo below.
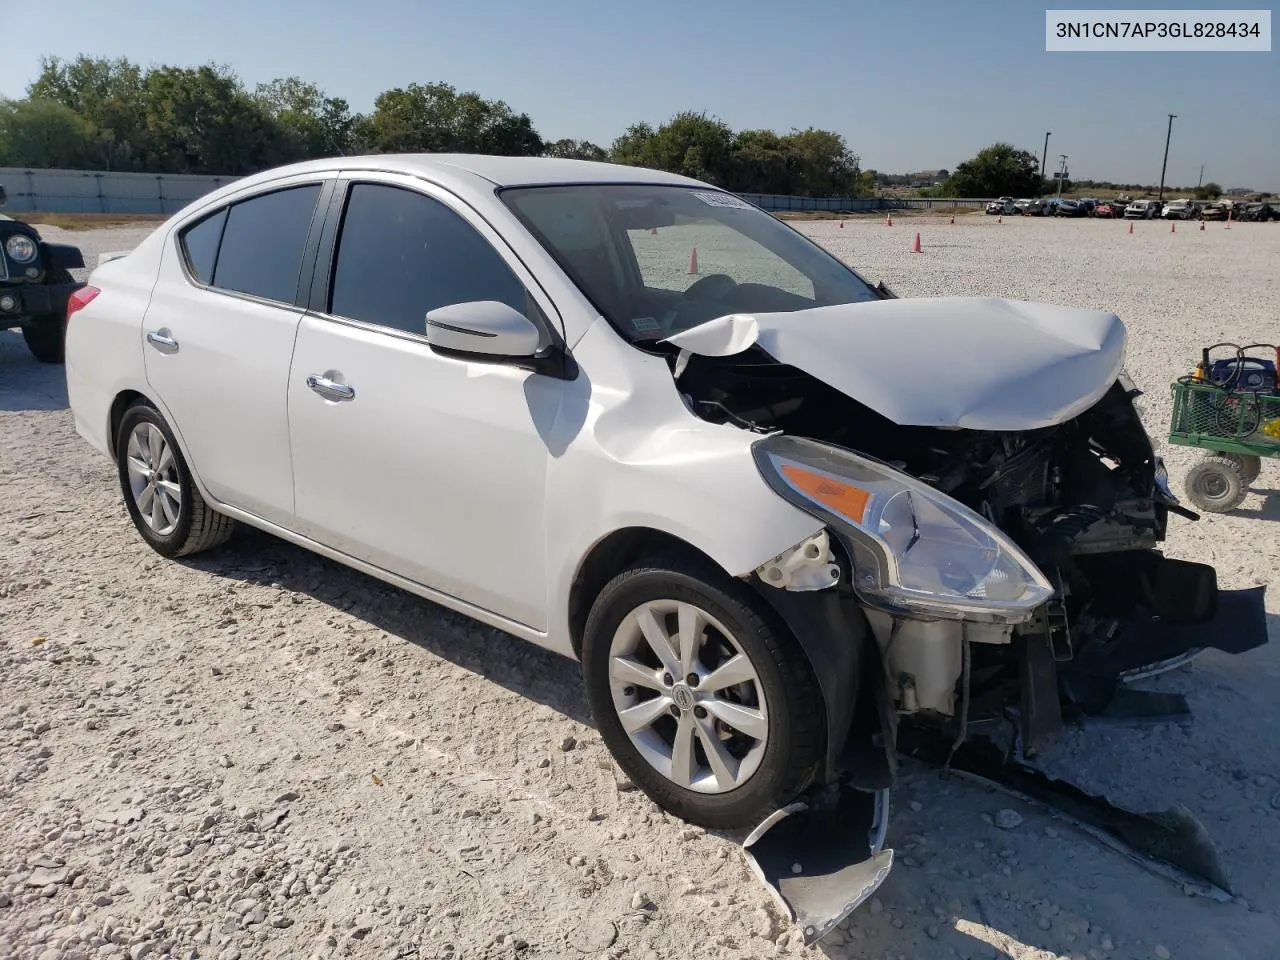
(429, 467)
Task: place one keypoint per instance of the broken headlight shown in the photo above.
(914, 549)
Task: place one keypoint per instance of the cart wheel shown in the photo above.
(1216, 484)
(1250, 464)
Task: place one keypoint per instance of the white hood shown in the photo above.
(973, 362)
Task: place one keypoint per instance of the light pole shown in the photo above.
(1044, 154)
(1062, 172)
(1167, 136)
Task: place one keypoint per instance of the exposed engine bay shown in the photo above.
(1086, 500)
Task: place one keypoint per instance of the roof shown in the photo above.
(499, 171)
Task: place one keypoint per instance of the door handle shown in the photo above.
(330, 389)
(161, 340)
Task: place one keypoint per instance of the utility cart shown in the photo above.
(1230, 408)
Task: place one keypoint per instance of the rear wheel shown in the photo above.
(163, 502)
(711, 709)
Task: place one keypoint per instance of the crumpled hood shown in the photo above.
(975, 362)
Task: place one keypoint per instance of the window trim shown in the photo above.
(550, 323)
(324, 180)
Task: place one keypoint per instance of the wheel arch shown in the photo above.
(127, 397)
(608, 557)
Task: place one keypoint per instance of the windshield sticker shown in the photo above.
(644, 324)
(721, 200)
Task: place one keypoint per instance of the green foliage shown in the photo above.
(804, 162)
(575, 150)
(44, 133)
(997, 170)
(96, 113)
(1208, 191)
(434, 117)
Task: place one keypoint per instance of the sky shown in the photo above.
(911, 85)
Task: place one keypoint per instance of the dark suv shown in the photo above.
(35, 282)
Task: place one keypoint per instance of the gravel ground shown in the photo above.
(260, 753)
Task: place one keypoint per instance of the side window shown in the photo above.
(263, 242)
(200, 245)
(401, 254)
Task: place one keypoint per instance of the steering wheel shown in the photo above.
(696, 306)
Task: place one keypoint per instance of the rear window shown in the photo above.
(254, 246)
(200, 245)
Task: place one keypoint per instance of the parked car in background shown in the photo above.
(35, 284)
(1259, 212)
(1142, 210)
(1113, 209)
(1030, 207)
(1071, 208)
(1183, 209)
(1214, 211)
(1004, 205)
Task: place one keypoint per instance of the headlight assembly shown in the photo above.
(914, 548)
(20, 248)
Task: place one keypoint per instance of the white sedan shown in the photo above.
(774, 510)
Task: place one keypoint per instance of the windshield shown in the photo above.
(657, 260)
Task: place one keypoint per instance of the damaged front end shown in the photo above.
(975, 589)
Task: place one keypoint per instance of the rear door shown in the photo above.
(218, 339)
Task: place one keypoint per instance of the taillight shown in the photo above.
(80, 299)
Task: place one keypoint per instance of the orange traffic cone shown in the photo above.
(953, 219)
(1131, 227)
(916, 246)
(1228, 219)
(841, 224)
(1202, 226)
(888, 219)
(693, 261)
(999, 219)
(1173, 226)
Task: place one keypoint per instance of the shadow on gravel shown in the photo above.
(1270, 509)
(539, 675)
(25, 383)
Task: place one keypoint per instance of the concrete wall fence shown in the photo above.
(97, 191)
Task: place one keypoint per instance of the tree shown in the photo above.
(45, 133)
(693, 144)
(434, 117)
(1208, 191)
(108, 94)
(202, 121)
(575, 150)
(822, 165)
(997, 170)
(314, 125)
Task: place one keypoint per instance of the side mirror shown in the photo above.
(483, 328)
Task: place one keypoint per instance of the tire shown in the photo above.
(190, 528)
(1216, 485)
(782, 689)
(46, 336)
(1250, 464)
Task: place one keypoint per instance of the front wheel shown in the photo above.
(162, 499)
(708, 706)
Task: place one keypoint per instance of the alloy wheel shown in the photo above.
(688, 697)
(153, 478)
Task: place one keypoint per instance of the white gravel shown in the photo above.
(259, 753)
